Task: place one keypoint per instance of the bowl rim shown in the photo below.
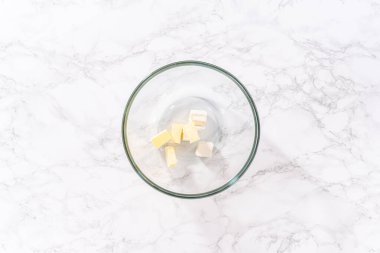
(254, 144)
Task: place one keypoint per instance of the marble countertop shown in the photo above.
(68, 67)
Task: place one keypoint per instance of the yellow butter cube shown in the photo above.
(190, 133)
(161, 138)
(177, 132)
(171, 159)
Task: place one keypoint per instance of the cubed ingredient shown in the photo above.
(171, 159)
(204, 149)
(177, 132)
(198, 118)
(190, 133)
(161, 138)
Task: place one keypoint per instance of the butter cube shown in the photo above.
(161, 138)
(204, 149)
(177, 132)
(190, 133)
(198, 118)
(171, 159)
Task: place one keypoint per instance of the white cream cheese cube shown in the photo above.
(198, 118)
(204, 149)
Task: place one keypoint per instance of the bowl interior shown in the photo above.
(166, 97)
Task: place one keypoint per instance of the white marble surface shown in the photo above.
(68, 67)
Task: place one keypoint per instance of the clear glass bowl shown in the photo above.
(166, 96)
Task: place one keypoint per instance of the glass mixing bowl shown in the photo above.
(166, 96)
